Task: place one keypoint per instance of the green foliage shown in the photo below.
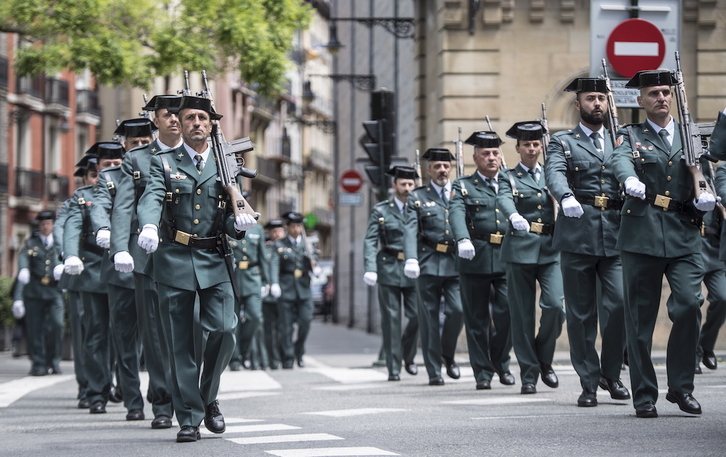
(6, 301)
(134, 41)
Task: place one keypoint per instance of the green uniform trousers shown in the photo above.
(75, 319)
(487, 321)
(247, 329)
(298, 312)
(96, 345)
(44, 324)
(126, 337)
(398, 346)
(218, 320)
(270, 319)
(533, 350)
(716, 314)
(643, 278)
(438, 339)
(580, 274)
(156, 352)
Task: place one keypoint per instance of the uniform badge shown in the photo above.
(429, 204)
(619, 141)
(179, 176)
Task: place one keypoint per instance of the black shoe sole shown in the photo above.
(188, 439)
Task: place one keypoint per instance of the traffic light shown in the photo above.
(379, 141)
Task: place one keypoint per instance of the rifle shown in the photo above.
(417, 167)
(545, 134)
(186, 90)
(459, 156)
(118, 138)
(612, 109)
(691, 135)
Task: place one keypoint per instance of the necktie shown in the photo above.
(596, 140)
(533, 173)
(444, 197)
(492, 184)
(663, 133)
(200, 162)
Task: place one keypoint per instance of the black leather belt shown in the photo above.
(706, 230)
(666, 203)
(91, 246)
(187, 239)
(45, 280)
(600, 202)
(541, 229)
(443, 248)
(394, 252)
(492, 238)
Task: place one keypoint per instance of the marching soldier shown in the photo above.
(82, 258)
(429, 247)
(530, 257)
(128, 256)
(124, 322)
(270, 313)
(479, 227)
(37, 262)
(659, 235)
(183, 231)
(384, 263)
(579, 175)
(290, 271)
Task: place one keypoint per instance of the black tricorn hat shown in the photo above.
(45, 215)
(107, 150)
(402, 172)
(649, 78)
(200, 103)
(274, 223)
(135, 128)
(293, 217)
(587, 85)
(484, 139)
(86, 164)
(526, 131)
(162, 101)
(438, 155)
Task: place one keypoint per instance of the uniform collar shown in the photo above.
(437, 188)
(399, 204)
(192, 153)
(670, 128)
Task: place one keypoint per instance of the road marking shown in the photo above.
(496, 401)
(247, 380)
(285, 438)
(254, 428)
(330, 452)
(352, 375)
(238, 395)
(529, 416)
(344, 387)
(356, 412)
(12, 391)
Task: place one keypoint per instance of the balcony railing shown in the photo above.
(31, 85)
(87, 102)
(56, 92)
(4, 178)
(28, 183)
(3, 72)
(268, 168)
(58, 187)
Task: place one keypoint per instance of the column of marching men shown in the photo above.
(594, 226)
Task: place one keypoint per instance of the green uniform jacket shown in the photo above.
(596, 231)
(40, 260)
(253, 269)
(193, 210)
(645, 228)
(432, 220)
(105, 193)
(717, 145)
(79, 239)
(534, 204)
(129, 188)
(475, 212)
(58, 229)
(720, 185)
(386, 224)
(286, 260)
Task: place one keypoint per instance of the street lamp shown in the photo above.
(401, 27)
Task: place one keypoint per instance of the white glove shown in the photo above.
(18, 309)
(466, 249)
(149, 238)
(275, 291)
(635, 188)
(370, 278)
(519, 222)
(411, 269)
(243, 222)
(265, 291)
(123, 262)
(24, 276)
(317, 271)
(103, 238)
(57, 272)
(73, 265)
(571, 207)
(706, 202)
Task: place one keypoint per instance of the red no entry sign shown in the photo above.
(635, 45)
(351, 181)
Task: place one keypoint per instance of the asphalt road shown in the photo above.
(341, 405)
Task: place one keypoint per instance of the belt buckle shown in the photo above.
(536, 227)
(400, 256)
(600, 202)
(495, 238)
(662, 201)
(45, 280)
(182, 237)
(298, 273)
(442, 248)
(243, 265)
(137, 175)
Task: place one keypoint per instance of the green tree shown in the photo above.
(134, 41)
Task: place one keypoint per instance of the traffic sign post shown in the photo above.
(351, 181)
(635, 45)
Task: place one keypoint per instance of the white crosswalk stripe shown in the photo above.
(12, 391)
(356, 412)
(298, 438)
(330, 452)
